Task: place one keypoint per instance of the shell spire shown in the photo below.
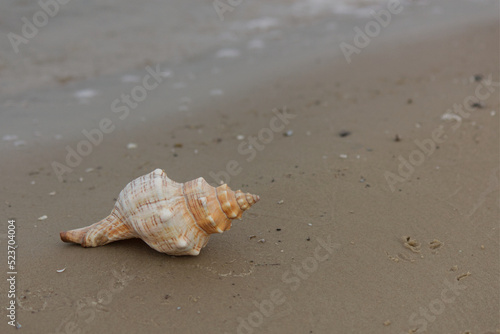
(173, 218)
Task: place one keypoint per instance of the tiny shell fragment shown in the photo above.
(459, 277)
(131, 146)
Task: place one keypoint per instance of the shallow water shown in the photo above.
(85, 39)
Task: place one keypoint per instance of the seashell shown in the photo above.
(173, 218)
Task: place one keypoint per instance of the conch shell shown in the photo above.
(173, 218)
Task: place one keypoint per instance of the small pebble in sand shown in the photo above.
(178, 145)
(52, 193)
(477, 77)
(454, 268)
(482, 246)
(252, 236)
(397, 138)
(240, 137)
(33, 182)
(261, 241)
(362, 179)
(195, 151)
(280, 201)
(43, 217)
(477, 105)
(387, 323)
(310, 224)
(61, 270)
(493, 113)
(344, 133)
(343, 156)
(178, 307)
(88, 170)
(289, 133)
(131, 146)
(450, 116)
(80, 179)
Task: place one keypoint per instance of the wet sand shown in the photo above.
(379, 215)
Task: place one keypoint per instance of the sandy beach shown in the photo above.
(376, 159)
